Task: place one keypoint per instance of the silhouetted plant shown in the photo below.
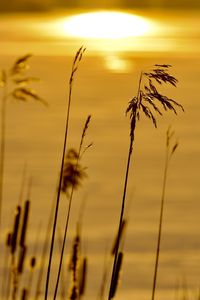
(75, 179)
(119, 238)
(73, 172)
(75, 65)
(170, 149)
(16, 85)
(63, 277)
(82, 276)
(78, 269)
(17, 250)
(147, 101)
(116, 278)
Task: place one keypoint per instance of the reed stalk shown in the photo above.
(169, 152)
(74, 176)
(146, 101)
(117, 245)
(117, 274)
(75, 64)
(2, 145)
(63, 281)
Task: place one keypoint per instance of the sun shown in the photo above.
(104, 25)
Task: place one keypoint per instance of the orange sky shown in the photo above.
(35, 5)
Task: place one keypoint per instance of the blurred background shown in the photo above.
(122, 38)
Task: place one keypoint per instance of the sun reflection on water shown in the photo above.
(103, 25)
(107, 32)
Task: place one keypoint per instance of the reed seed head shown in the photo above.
(75, 254)
(149, 100)
(20, 65)
(77, 59)
(25, 223)
(73, 293)
(115, 281)
(3, 78)
(85, 128)
(19, 81)
(22, 256)
(24, 295)
(83, 276)
(8, 239)
(170, 144)
(73, 172)
(15, 230)
(119, 236)
(33, 262)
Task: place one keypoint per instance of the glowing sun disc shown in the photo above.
(104, 25)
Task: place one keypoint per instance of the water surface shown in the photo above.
(106, 81)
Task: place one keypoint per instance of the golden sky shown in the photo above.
(48, 4)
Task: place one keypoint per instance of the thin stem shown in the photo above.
(121, 218)
(63, 283)
(22, 185)
(67, 221)
(160, 223)
(63, 246)
(132, 135)
(59, 191)
(77, 59)
(2, 146)
(138, 92)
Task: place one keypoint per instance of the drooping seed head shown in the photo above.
(83, 276)
(73, 172)
(149, 100)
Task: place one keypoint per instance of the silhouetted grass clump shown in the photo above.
(150, 102)
(15, 84)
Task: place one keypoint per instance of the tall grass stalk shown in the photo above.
(75, 64)
(63, 281)
(2, 147)
(147, 101)
(132, 133)
(170, 149)
(73, 180)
